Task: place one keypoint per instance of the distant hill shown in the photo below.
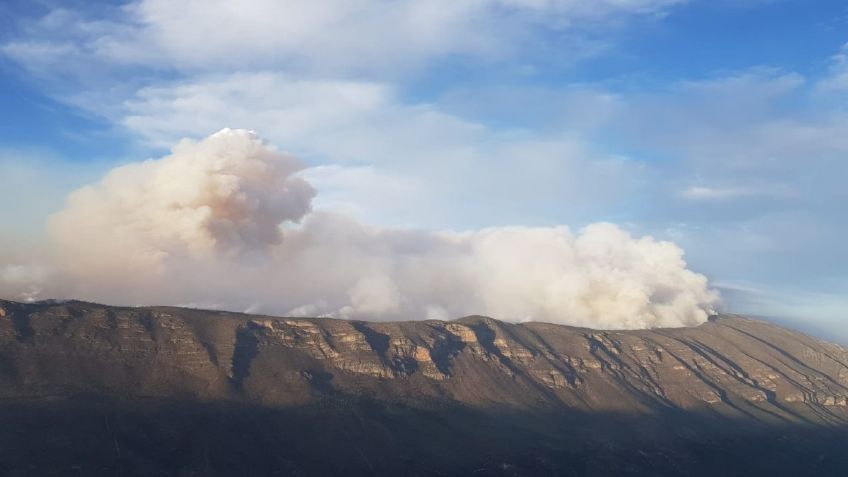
(88, 389)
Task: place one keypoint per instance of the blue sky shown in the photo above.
(719, 125)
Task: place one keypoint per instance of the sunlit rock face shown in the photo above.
(731, 365)
(188, 392)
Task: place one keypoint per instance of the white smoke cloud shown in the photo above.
(223, 196)
(218, 222)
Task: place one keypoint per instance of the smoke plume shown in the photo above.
(226, 223)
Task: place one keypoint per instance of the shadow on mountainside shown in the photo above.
(94, 390)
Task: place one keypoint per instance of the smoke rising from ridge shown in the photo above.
(226, 222)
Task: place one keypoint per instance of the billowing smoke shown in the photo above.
(224, 196)
(226, 223)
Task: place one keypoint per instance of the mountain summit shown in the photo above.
(99, 390)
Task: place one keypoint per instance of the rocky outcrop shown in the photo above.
(87, 389)
(734, 366)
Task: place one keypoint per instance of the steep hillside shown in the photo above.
(144, 391)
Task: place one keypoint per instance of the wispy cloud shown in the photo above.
(331, 36)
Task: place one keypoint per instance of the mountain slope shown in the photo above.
(536, 396)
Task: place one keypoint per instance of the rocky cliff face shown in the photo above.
(731, 365)
(731, 368)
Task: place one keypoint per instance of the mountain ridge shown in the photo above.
(114, 389)
(730, 361)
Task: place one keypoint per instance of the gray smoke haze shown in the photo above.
(226, 222)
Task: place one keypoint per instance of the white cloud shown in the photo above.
(717, 193)
(711, 193)
(296, 110)
(226, 195)
(752, 164)
(733, 138)
(200, 226)
(354, 128)
(837, 80)
(327, 35)
(295, 71)
(367, 193)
